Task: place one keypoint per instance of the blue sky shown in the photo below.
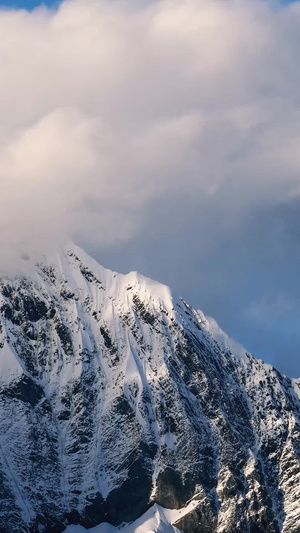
(31, 4)
(26, 4)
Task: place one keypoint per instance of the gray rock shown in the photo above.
(114, 395)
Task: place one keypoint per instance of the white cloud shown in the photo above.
(105, 106)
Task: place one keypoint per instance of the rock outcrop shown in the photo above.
(114, 395)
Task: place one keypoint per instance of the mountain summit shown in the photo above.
(115, 395)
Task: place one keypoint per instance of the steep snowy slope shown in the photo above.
(155, 520)
(114, 395)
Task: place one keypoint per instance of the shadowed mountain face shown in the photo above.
(114, 395)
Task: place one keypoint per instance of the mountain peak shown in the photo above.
(114, 395)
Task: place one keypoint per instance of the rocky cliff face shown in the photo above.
(114, 395)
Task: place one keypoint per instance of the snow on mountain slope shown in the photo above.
(155, 520)
(115, 395)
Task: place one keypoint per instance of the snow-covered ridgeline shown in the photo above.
(155, 520)
(114, 394)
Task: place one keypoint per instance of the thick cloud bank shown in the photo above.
(106, 106)
(168, 129)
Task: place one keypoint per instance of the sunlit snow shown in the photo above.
(155, 520)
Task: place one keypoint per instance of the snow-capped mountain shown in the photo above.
(115, 395)
(154, 520)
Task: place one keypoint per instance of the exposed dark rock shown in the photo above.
(124, 399)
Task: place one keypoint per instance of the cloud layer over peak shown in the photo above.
(110, 110)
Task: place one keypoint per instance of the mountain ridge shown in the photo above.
(115, 395)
